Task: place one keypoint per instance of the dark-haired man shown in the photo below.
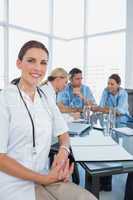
(75, 95)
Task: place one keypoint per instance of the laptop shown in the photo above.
(77, 128)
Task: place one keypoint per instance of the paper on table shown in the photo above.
(100, 153)
(94, 139)
(125, 130)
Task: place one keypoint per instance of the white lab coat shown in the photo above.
(16, 138)
(49, 90)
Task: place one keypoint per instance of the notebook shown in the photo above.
(77, 128)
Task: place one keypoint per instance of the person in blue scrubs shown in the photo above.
(75, 95)
(115, 97)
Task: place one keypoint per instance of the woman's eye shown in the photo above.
(44, 63)
(30, 61)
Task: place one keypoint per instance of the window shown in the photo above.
(30, 14)
(68, 54)
(1, 58)
(106, 55)
(106, 15)
(68, 18)
(1, 10)
(16, 40)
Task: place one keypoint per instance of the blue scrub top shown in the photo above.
(69, 99)
(118, 101)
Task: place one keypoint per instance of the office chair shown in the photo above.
(54, 150)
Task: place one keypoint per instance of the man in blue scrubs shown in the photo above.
(75, 95)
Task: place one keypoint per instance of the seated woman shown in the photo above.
(27, 122)
(115, 97)
(56, 82)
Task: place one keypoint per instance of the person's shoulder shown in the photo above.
(8, 90)
(122, 91)
(67, 88)
(44, 87)
(8, 93)
(84, 86)
(105, 92)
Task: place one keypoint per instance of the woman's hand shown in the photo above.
(68, 170)
(59, 173)
(61, 157)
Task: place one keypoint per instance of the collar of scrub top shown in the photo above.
(117, 98)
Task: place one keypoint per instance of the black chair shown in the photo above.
(75, 176)
(130, 100)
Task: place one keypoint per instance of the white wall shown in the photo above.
(129, 46)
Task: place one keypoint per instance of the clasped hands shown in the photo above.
(61, 169)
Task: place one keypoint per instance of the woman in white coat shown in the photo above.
(56, 82)
(27, 122)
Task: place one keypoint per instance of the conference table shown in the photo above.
(96, 169)
(100, 169)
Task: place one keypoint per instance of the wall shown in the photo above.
(129, 46)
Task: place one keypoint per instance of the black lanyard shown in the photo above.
(31, 119)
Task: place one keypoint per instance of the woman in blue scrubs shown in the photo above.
(115, 97)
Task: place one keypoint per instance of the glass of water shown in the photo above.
(86, 114)
(112, 117)
(106, 124)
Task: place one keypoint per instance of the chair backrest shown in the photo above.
(130, 100)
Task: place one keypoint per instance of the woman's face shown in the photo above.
(33, 66)
(61, 83)
(113, 86)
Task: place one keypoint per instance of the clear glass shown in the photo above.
(106, 55)
(105, 124)
(68, 54)
(104, 15)
(15, 43)
(112, 117)
(1, 10)
(1, 58)
(30, 14)
(86, 114)
(68, 18)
